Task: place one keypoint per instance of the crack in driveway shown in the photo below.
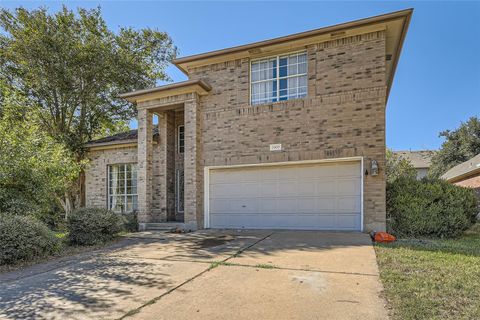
(154, 300)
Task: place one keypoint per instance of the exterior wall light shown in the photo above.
(374, 168)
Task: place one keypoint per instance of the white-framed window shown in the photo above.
(278, 78)
(181, 139)
(122, 187)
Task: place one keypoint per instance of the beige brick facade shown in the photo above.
(342, 116)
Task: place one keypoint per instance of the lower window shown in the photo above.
(122, 187)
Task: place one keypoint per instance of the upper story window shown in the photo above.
(181, 139)
(122, 187)
(278, 78)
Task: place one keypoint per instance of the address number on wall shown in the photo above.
(276, 147)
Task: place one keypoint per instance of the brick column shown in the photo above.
(192, 171)
(166, 129)
(144, 166)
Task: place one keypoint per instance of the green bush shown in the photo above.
(24, 238)
(89, 226)
(130, 222)
(431, 208)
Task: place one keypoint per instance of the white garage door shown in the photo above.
(323, 196)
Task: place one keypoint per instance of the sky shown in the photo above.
(437, 82)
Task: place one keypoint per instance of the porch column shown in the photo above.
(192, 171)
(144, 165)
(166, 129)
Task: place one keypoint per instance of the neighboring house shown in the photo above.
(466, 174)
(420, 160)
(287, 133)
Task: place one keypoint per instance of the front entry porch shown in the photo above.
(170, 188)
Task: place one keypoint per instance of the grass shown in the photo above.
(432, 278)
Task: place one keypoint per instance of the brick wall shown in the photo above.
(96, 180)
(342, 116)
(471, 182)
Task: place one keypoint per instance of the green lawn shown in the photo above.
(432, 279)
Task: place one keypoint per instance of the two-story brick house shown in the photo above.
(287, 133)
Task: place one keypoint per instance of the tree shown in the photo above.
(459, 146)
(398, 167)
(35, 170)
(71, 69)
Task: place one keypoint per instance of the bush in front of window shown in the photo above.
(90, 226)
(24, 238)
(130, 222)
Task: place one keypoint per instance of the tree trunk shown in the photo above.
(81, 188)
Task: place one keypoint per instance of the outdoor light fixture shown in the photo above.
(374, 168)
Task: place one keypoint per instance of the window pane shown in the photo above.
(129, 204)
(122, 180)
(302, 58)
(302, 68)
(267, 82)
(302, 81)
(293, 59)
(292, 69)
(135, 203)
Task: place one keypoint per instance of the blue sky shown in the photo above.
(437, 83)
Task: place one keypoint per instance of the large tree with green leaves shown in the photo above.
(35, 170)
(71, 68)
(460, 145)
(398, 167)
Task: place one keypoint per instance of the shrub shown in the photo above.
(25, 238)
(89, 226)
(130, 222)
(432, 208)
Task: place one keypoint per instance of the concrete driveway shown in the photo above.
(205, 275)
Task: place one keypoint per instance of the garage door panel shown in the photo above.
(268, 174)
(347, 170)
(306, 188)
(348, 204)
(287, 205)
(348, 186)
(322, 172)
(348, 222)
(267, 205)
(287, 188)
(314, 196)
(307, 205)
(325, 187)
(268, 189)
(325, 204)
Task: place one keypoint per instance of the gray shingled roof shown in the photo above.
(419, 158)
(129, 136)
(463, 169)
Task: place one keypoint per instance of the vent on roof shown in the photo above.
(337, 34)
(388, 57)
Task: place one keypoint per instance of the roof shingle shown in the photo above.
(463, 169)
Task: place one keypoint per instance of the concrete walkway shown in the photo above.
(205, 275)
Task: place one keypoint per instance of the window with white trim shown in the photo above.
(181, 139)
(122, 187)
(278, 78)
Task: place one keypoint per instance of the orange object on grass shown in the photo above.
(384, 237)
